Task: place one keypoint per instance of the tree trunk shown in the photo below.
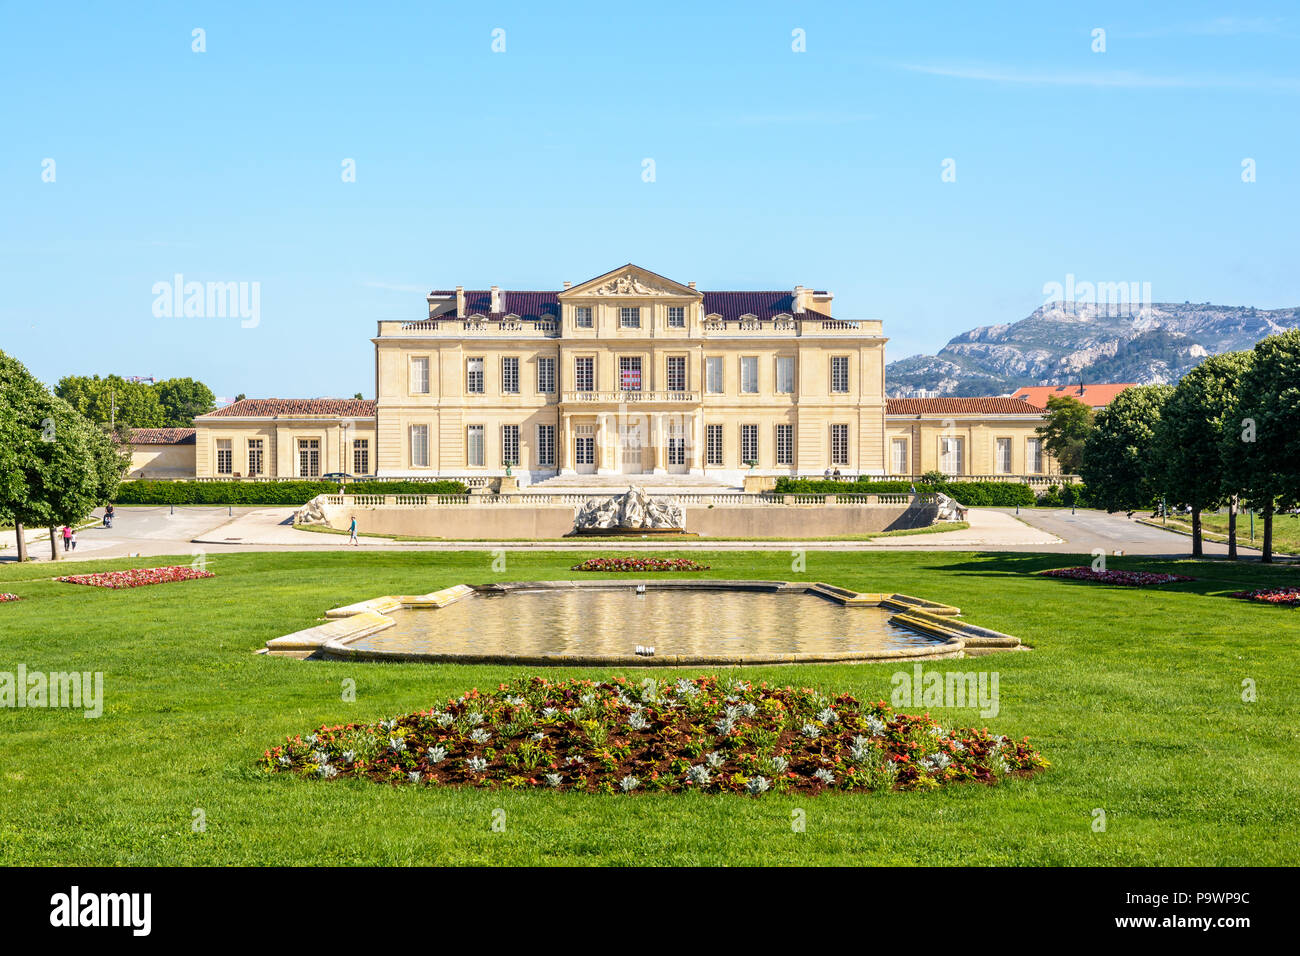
(1268, 534)
(1197, 549)
(54, 548)
(1232, 528)
(22, 541)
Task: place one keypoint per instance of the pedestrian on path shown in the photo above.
(352, 532)
(67, 537)
(72, 538)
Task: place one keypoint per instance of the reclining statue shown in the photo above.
(633, 510)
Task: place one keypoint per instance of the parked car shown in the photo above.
(337, 476)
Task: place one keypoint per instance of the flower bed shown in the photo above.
(1283, 597)
(1133, 579)
(657, 735)
(136, 577)
(9, 597)
(639, 564)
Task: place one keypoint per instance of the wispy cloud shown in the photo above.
(1118, 79)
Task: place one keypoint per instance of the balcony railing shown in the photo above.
(630, 398)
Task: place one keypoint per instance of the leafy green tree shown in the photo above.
(1261, 439)
(1068, 424)
(1119, 466)
(183, 399)
(112, 401)
(1189, 438)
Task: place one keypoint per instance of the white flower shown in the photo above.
(327, 771)
(413, 776)
(724, 725)
(699, 774)
(397, 744)
(320, 756)
(553, 779)
(811, 731)
(445, 720)
(875, 726)
(629, 783)
(714, 759)
(748, 709)
(476, 764)
(480, 736)
(349, 756)
(573, 759)
(437, 754)
(473, 718)
(514, 701)
(284, 760)
(549, 712)
(757, 785)
(827, 716)
(311, 740)
(936, 761)
(637, 721)
(824, 775)
(539, 736)
(778, 764)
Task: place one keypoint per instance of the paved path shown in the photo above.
(193, 530)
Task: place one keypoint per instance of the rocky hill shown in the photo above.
(1060, 342)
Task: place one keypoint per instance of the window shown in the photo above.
(584, 373)
(225, 457)
(785, 444)
(420, 375)
(255, 458)
(898, 456)
(713, 444)
(1003, 456)
(676, 317)
(474, 445)
(839, 444)
(748, 443)
(1033, 455)
(509, 444)
(361, 456)
(474, 375)
(582, 317)
(839, 374)
(629, 318)
(749, 374)
(629, 373)
(785, 374)
(584, 446)
(419, 446)
(546, 445)
(510, 375)
(308, 457)
(677, 373)
(951, 459)
(713, 375)
(676, 443)
(545, 375)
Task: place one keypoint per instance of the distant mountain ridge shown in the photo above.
(1060, 342)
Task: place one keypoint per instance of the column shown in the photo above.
(659, 442)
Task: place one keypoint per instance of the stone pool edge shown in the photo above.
(354, 621)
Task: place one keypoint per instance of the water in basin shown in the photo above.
(613, 621)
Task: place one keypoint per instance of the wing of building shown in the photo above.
(627, 373)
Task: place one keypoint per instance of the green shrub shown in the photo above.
(146, 492)
(1066, 496)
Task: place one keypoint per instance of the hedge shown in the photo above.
(996, 494)
(146, 492)
(1064, 496)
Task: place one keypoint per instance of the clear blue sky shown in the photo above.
(524, 168)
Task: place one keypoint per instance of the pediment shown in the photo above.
(631, 281)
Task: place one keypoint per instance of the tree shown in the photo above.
(1068, 424)
(1118, 465)
(182, 400)
(112, 401)
(1189, 438)
(1261, 439)
(56, 465)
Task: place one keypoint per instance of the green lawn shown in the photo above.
(1134, 696)
(1286, 530)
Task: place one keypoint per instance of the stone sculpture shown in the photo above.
(632, 511)
(949, 509)
(313, 512)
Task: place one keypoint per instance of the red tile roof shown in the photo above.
(546, 305)
(959, 406)
(1098, 396)
(162, 436)
(273, 407)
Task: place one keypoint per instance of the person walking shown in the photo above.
(352, 532)
(108, 516)
(72, 538)
(67, 537)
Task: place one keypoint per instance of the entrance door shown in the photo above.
(631, 440)
(676, 431)
(584, 449)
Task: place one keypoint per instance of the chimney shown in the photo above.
(567, 283)
(460, 302)
(798, 298)
(497, 299)
(691, 284)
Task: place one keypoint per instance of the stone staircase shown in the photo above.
(612, 484)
